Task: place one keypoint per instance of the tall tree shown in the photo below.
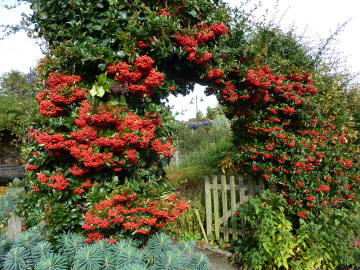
(17, 102)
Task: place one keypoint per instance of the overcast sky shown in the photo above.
(318, 17)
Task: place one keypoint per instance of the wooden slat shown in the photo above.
(235, 185)
(251, 186)
(11, 175)
(227, 187)
(9, 165)
(225, 208)
(233, 205)
(230, 230)
(208, 206)
(261, 186)
(242, 199)
(11, 171)
(216, 209)
(14, 227)
(201, 226)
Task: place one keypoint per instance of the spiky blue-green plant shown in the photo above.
(40, 249)
(198, 261)
(51, 261)
(136, 267)
(18, 258)
(69, 243)
(129, 255)
(108, 261)
(158, 244)
(27, 239)
(88, 257)
(2, 255)
(119, 246)
(104, 246)
(8, 203)
(169, 260)
(5, 246)
(187, 247)
(39, 230)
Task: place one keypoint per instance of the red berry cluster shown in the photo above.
(61, 90)
(203, 34)
(142, 80)
(126, 212)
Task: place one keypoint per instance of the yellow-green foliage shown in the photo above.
(3, 190)
(186, 226)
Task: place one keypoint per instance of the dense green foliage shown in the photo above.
(18, 107)
(203, 148)
(70, 252)
(270, 241)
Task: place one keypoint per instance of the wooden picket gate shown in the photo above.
(241, 188)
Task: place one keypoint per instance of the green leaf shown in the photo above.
(113, 102)
(93, 91)
(97, 27)
(102, 66)
(100, 91)
(193, 13)
(123, 15)
(102, 78)
(122, 100)
(120, 54)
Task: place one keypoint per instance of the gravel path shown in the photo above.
(217, 261)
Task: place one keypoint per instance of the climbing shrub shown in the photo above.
(108, 135)
(93, 147)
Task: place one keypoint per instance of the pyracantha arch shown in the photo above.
(97, 163)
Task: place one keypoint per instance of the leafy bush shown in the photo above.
(70, 253)
(272, 240)
(268, 239)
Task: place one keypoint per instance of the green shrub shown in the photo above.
(268, 242)
(273, 241)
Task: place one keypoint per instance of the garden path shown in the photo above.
(217, 261)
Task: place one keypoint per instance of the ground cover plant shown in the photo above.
(32, 251)
(97, 163)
